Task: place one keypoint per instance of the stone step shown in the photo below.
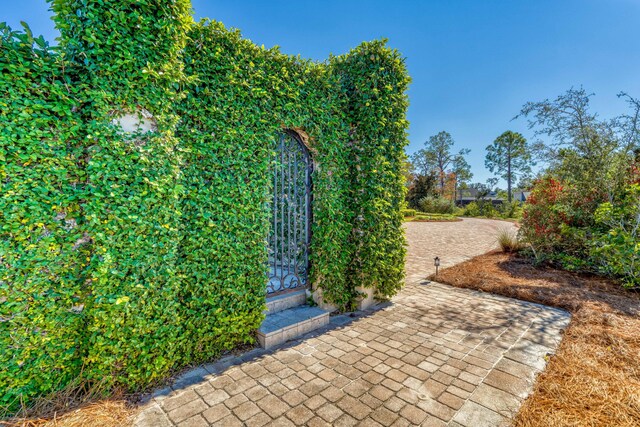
(288, 324)
(286, 301)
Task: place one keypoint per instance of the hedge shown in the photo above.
(407, 213)
(128, 255)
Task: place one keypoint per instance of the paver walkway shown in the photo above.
(452, 242)
(435, 356)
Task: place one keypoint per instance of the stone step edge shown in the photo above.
(283, 302)
(297, 327)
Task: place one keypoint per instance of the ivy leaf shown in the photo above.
(122, 300)
(27, 30)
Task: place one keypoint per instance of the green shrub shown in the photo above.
(458, 211)
(374, 81)
(44, 252)
(488, 210)
(408, 212)
(480, 208)
(472, 210)
(511, 210)
(421, 186)
(557, 225)
(556, 221)
(437, 204)
(570, 262)
(617, 251)
(132, 209)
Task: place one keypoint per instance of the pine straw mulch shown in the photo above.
(83, 405)
(594, 378)
(76, 406)
(79, 405)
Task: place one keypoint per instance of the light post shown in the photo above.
(436, 262)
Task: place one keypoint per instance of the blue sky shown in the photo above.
(473, 62)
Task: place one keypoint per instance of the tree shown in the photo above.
(492, 184)
(450, 187)
(509, 157)
(585, 150)
(525, 182)
(482, 190)
(421, 187)
(408, 171)
(462, 173)
(590, 166)
(436, 156)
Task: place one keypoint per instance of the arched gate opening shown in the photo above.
(290, 231)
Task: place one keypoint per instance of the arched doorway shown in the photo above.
(290, 231)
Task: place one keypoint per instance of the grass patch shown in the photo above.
(433, 217)
(594, 378)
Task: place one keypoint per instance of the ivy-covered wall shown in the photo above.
(44, 261)
(127, 255)
(373, 81)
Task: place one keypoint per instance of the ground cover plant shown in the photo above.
(594, 378)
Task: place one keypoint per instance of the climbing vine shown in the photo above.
(43, 254)
(126, 254)
(374, 81)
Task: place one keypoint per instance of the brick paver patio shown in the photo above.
(435, 356)
(453, 243)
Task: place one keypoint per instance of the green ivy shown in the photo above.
(374, 81)
(44, 255)
(125, 256)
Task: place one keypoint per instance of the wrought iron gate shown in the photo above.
(290, 233)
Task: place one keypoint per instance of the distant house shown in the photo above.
(469, 195)
(520, 195)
